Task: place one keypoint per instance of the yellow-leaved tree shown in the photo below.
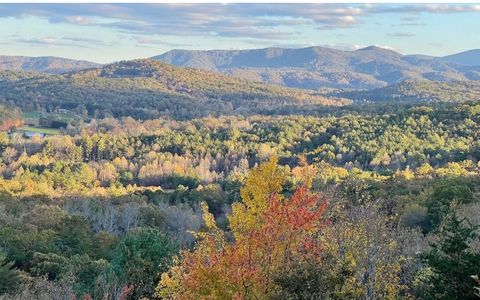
(271, 234)
(261, 184)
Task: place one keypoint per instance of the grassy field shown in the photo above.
(32, 121)
(47, 131)
(32, 115)
(64, 116)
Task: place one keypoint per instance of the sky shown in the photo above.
(111, 32)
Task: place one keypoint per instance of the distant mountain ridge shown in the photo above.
(420, 91)
(44, 64)
(321, 67)
(467, 58)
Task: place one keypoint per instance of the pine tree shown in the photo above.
(9, 276)
(453, 261)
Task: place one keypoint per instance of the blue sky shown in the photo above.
(111, 32)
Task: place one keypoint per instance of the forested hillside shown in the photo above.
(319, 67)
(420, 91)
(51, 65)
(145, 89)
(357, 203)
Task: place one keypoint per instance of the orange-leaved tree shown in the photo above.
(280, 232)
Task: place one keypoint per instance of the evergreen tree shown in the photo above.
(453, 261)
(141, 257)
(9, 276)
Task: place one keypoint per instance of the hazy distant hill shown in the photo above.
(46, 64)
(467, 58)
(318, 67)
(413, 91)
(148, 88)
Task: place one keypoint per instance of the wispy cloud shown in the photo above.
(77, 20)
(88, 41)
(401, 34)
(257, 21)
(46, 40)
(411, 21)
(413, 24)
(426, 8)
(146, 40)
(61, 41)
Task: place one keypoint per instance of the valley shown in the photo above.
(308, 173)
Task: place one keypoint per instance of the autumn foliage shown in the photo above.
(10, 117)
(279, 236)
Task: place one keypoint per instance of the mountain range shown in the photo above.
(262, 81)
(321, 67)
(46, 64)
(307, 68)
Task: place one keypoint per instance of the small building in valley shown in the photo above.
(31, 134)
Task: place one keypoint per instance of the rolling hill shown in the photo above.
(46, 64)
(147, 89)
(424, 91)
(320, 67)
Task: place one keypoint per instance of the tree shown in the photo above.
(75, 236)
(361, 259)
(445, 194)
(452, 261)
(9, 276)
(262, 183)
(281, 233)
(141, 257)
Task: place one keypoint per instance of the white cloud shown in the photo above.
(79, 20)
(253, 20)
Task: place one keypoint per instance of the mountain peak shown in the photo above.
(378, 49)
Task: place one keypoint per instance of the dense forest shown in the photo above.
(359, 202)
(146, 89)
(420, 90)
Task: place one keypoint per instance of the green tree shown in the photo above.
(75, 236)
(141, 257)
(9, 276)
(444, 195)
(452, 261)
